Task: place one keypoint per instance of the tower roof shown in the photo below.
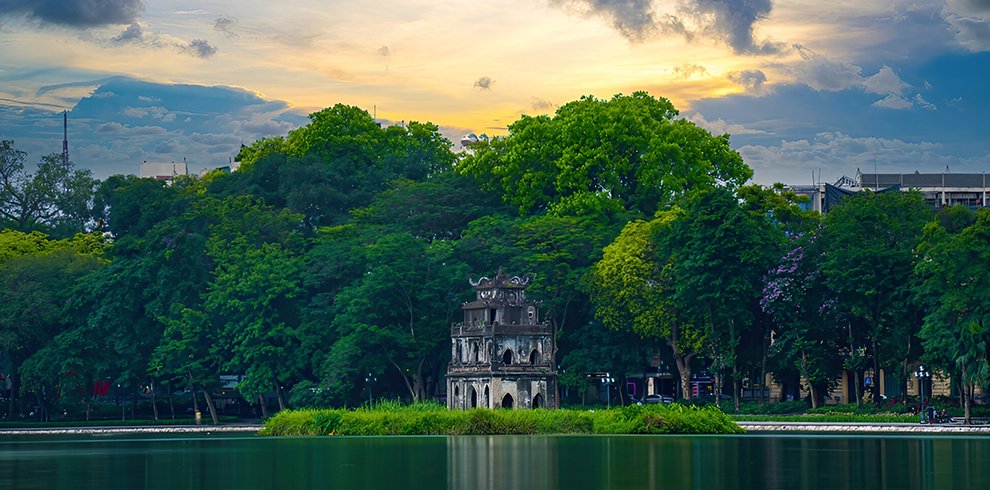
(500, 281)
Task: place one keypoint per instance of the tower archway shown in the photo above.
(507, 401)
(538, 401)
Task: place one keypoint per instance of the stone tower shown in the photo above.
(501, 354)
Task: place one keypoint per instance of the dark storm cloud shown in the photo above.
(634, 19)
(484, 83)
(730, 21)
(76, 13)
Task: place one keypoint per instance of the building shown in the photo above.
(940, 190)
(502, 356)
(163, 171)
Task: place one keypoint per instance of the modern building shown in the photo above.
(502, 356)
(945, 189)
(939, 190)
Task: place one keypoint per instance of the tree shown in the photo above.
(721, 252)
(36, 289)
(400, 308)
(55, 199)
(954, 266)
(869, 241)
(795, 297)
(629, 152)
(251, 297)
(632, 288)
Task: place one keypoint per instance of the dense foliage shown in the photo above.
(435, 419)
(327, 270)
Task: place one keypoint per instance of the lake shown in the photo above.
(245, 461)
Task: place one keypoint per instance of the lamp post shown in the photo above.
(922, 376)
(607, 381)
(369, 380)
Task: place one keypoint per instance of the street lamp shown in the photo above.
(369, 380)
(922, 376)
(607, 381)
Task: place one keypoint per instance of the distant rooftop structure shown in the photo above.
(939, 190)
(943, 189)
(164, 171)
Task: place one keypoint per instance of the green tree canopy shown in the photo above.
(629, 152)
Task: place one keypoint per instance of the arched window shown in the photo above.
(507, 357)
(486, 403)
(538, 401)
(534, 357)
(507, 401)
(476, 352)
(473, 402)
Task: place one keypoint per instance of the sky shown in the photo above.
(804, 87)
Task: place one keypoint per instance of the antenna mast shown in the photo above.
(65, 138)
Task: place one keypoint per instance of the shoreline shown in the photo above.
(136, 429)
(862, 427)
(750, 427)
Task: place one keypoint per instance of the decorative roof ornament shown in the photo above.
(500, 281)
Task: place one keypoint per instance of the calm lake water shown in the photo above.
(509, 462)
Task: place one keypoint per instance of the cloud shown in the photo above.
(76, 13)
(970, 21)
(753, 80)
(893, 101)
(542, 105)
(124, 130)
(885, 81)
(383, 51)
(199, 48)
(732, 21)
(484, 83)
(924, 104)
(688, 70)
(838, 153)
(719, 126)
(633, 19)
(224, 24)
(821, 73)
(136, 35)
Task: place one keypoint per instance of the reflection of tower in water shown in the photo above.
(495, 462)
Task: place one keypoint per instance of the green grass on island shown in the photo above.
(388, 419)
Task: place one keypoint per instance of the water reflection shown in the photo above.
(497, 462)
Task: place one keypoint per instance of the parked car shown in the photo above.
(658, 399)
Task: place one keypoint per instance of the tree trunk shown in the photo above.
(196, 412)
(736, 387)
(263, 405)
(210, 405)
(814, 395)
(171, 403)
(684, 370)
(967, 410)
(856, 390)
(12, 376)
(683, 362)
(279, 394)
(154, 399)
(876, 374)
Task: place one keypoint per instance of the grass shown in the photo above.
(434, 419)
